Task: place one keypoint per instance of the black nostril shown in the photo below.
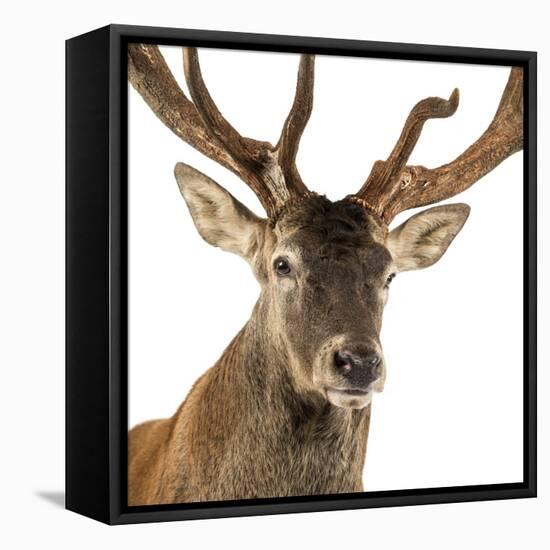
(343, 361)
(373, 360)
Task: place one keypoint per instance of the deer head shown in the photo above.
(324, 267)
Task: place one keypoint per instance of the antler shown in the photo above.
(270, 171)
(393, 187)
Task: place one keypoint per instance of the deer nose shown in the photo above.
(359, 368)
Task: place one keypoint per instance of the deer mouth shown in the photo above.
(344, 391)
(350, 398)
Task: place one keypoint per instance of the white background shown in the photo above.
(451, 413)
(32, 289)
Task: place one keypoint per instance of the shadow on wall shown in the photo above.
(57, 498)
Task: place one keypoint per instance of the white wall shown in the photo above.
(32, 290)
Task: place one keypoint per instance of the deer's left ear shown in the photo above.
(424, 237)
(220, 219)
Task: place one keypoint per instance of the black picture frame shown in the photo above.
(97, 271)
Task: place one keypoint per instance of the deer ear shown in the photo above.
(220, 219)
(424, 237)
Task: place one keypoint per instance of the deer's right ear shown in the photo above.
(220, 219)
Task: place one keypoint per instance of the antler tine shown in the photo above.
(384, 180)
(296, 121)
(277, 164)
(413, 186)
(431, 107)
(238, 147)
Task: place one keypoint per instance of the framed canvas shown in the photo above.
(379, 290)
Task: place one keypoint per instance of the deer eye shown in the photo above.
(282, 267)
(389, 279)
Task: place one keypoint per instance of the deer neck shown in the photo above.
(271, 404)
(246, 421)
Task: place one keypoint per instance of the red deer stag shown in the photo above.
(285, 410)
